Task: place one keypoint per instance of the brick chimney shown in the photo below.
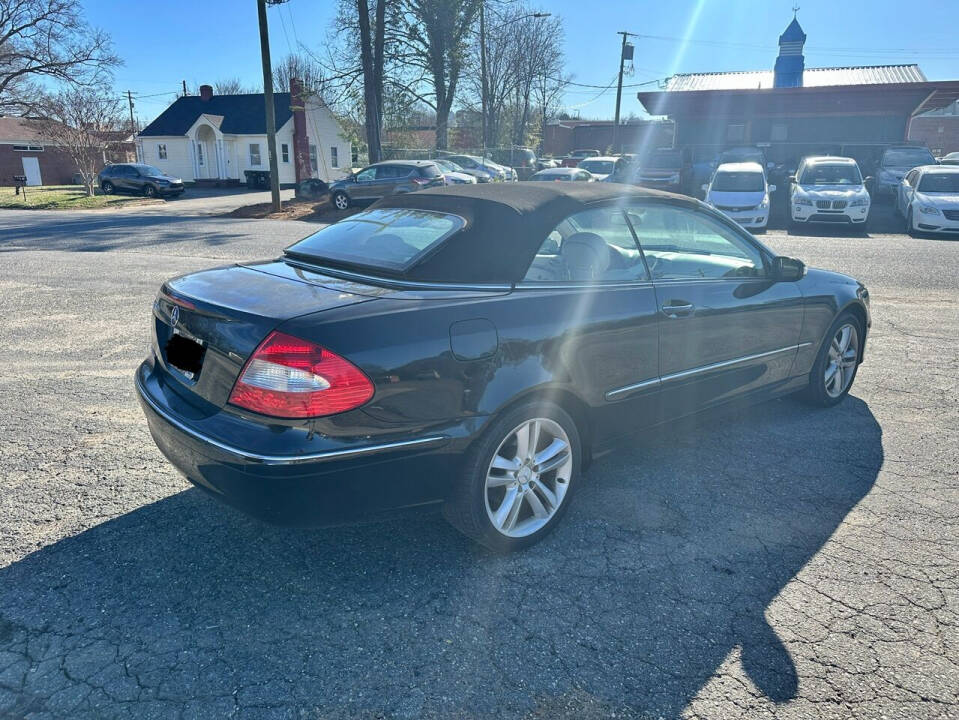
(206, 92)
(301, 143)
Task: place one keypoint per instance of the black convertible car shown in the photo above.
(476, 346)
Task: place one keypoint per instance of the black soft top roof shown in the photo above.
(506, 223)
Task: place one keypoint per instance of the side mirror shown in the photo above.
(787, 269)
(772, 188)
(791, 178)
(706, 187)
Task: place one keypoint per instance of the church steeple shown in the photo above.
(790, 63)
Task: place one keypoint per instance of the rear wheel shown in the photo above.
(837, 363)
(518, 479)
(341, 201)
(107, 187)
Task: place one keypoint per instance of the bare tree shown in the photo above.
(305, 69)
(539, 59)
(48, 39)
(435, 37)
(234, 86)
(83, 121)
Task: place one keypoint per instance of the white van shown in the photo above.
(741, 192)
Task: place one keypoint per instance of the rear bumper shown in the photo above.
(339, 479)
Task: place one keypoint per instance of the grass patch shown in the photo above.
(64, 197)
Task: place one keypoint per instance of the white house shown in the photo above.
(212, 138)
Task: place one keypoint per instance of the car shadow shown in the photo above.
(663, 569)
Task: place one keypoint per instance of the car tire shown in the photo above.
(149, 191)
(498, 498)
(107, 188)
(910, 227)
(341, 201)
(826, 389)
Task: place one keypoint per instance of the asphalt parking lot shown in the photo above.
(769, 562)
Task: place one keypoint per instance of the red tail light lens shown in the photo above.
(288, 377)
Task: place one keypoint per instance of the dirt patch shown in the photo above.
(297, 209)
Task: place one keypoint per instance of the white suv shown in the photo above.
(928, 198)
(828, 190)
(740, 191)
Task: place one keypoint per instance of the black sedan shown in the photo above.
(476, 346)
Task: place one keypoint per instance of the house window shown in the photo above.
(161, 151)
(779, 132)
(334, 156)
(313, 158)
(28, 148)
(199, 155)
(254, 154)
(285, 152)
(735, 132)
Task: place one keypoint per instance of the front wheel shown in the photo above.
(149, 191)
(341, 201)
(518, 478)
(107, 188)
(837, 363)
(910, 226)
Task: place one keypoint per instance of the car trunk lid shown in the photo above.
(207, 324)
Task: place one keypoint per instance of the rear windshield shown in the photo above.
(390, 239)
(430, 171)
(598, 167)
(939, 183)
(907, 157)
(738, 182)
(831, 175)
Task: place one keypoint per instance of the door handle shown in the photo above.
(678, 308)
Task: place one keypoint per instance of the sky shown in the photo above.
(202, 41)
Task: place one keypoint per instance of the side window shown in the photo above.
(254, 154)
(161, 151)
(366, 175)
(334, 156)
(592, 246)
(912, 177)
(313, 163)
(681, 244)
(285, 152)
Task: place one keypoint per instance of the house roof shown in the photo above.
(21, 129)
(812, 77)
(242, 114)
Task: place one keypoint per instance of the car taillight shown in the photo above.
(292, 378)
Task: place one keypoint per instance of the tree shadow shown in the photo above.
(664, 566)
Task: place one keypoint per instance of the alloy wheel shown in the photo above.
(841, 362)
(150, 191)
(528, 477)
(341, 201)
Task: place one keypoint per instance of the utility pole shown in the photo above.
(133, 125)
(268, 98)
(626, 48)
(483, 79)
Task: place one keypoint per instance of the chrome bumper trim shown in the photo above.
(619, 392)
(419, 443)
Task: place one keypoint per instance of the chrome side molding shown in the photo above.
(618, 393)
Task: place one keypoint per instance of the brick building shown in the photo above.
(938, 130)
(563, 136)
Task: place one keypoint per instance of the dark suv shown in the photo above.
(385, 178)
(141, 179)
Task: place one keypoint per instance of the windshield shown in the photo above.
(739, 182)
(939, 183)
(546, 175)
(663, 161)
(907, 157)
(148, 170)
(599, 167)
(742, 155)
(831, 175)
(386, 238)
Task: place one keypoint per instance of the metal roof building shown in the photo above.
(793, 110)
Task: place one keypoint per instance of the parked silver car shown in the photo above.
(483, 169)
(385, 178)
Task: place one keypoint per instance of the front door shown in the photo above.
(365, 184)
(725, 326)
(31, 168)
